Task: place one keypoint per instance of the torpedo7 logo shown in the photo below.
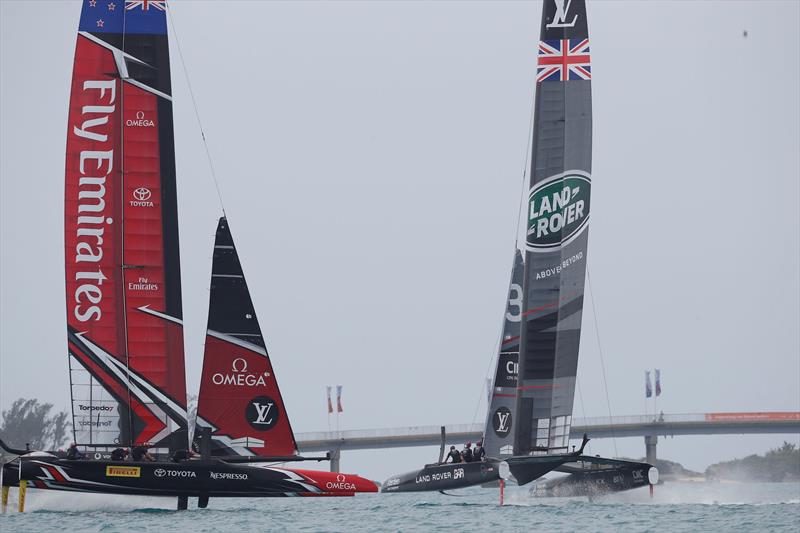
(262, 413)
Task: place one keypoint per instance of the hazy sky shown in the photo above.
(370, 157)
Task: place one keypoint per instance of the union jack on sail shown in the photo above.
(161, 5)
(564, 59)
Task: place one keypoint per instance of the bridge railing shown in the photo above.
(380, 433)
(638, 419)
(597, 422)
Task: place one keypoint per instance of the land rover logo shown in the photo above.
(558, 210)
(501, 422)
(142, 194)
(262, 413)
(160, 472)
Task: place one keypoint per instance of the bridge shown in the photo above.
(648, 426)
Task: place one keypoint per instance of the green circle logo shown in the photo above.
(558, 210)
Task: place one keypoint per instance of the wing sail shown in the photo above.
(239, 396)
(498, 436)
(557, 231)
(124, 313)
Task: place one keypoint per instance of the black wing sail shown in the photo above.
(498, 436)
(556, 231)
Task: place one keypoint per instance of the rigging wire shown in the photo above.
(196, 111)
(602, 360)
(498, 343)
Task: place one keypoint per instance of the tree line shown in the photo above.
(30, 423)
(779, 464)
(37, 426)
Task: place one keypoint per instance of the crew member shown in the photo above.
(182, 455)
(119, 454)
(479, 454)
(466, 453)
(140, 453)
(454, 456)
(74, 453)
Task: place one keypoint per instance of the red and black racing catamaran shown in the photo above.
(123, 285)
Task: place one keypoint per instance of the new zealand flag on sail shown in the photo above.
(564, 59)
(128, 16)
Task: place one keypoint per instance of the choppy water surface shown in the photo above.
(675, 507)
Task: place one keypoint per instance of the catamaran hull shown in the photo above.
(193, 478)
(444, 477)
(523, 469)
(592, 483)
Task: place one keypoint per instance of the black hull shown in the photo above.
(196, 478)
(443, 477)
(593, 479)
(523, 469)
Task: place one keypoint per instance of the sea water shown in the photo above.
(675, 506)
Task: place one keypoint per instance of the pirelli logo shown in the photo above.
(123, 471)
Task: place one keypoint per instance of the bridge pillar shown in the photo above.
(336, 456)
(650, 442)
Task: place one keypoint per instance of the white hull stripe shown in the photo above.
(67, 476)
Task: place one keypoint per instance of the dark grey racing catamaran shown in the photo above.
(530, 414)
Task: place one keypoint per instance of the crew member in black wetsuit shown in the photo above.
(466, 453)
(119, 454)
(74, 453)
(454, 456)
(182, 455)
(140, 453)
(479, 454)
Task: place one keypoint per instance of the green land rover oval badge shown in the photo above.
(558, 210)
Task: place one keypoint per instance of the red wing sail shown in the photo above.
(239, 396)
(121, 238)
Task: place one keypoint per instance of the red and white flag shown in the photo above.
(330, 404)
(339, 398)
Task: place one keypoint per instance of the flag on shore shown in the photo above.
(330, 404)
(339, 398)
(648, 387)
(658, 382)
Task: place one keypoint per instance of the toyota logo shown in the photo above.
(340, 478)
(160, 472)
(142, 194)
